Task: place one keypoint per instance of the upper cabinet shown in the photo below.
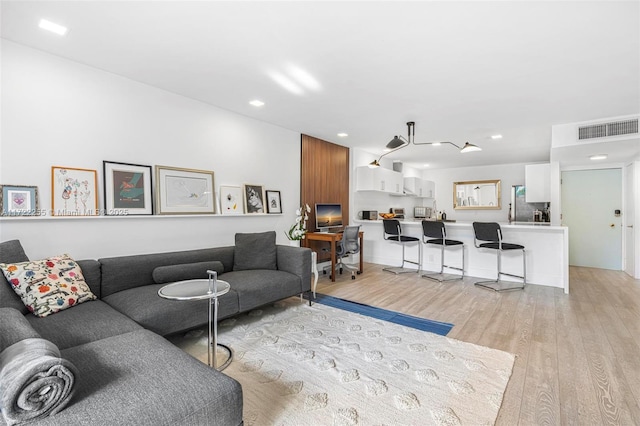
(537, 182)
(378, 179)
(419, 187)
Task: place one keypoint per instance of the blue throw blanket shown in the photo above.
(34, 381)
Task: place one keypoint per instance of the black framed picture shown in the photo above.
(274, 204)
(127, 189)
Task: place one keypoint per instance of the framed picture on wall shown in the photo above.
(74, 192)
(184, 191)
(274, 205)
(230, 200)
(19, 200)
(127, 189)
(254, 199)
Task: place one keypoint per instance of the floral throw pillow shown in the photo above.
(49, 285)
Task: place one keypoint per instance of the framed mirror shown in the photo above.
(476, 195)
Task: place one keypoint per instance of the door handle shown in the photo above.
(629, 226)
(613, 225)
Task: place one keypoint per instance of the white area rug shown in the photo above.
(301, 365)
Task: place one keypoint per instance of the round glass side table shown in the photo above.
(211, 289)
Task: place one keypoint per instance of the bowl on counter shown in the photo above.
(387, 215)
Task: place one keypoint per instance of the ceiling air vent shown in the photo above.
(614, 128)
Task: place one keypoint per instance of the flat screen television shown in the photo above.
(328, 216)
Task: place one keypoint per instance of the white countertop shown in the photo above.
(464, 224)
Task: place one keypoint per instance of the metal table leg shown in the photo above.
(213, 339)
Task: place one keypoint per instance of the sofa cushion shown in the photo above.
(84, 323)
(256, 288)
(164, 316)
(186, 271)
(91, 272)
(11, 252)
(48, 285)
(139, 378)
(125, 272)
(255, 251)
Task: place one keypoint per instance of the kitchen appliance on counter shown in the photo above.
(421, 212)
(521, 211)
(368, 215)
(398, 212)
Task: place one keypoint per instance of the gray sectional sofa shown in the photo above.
(128, 374)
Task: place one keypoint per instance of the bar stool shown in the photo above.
(392, 231)
(491, 232)
(436, 233)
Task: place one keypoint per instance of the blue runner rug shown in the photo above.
(436, 327)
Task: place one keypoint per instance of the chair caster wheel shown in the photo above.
(359, 272)
(353, 277)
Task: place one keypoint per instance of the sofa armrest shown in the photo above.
(296, 260)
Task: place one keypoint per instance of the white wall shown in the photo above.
(58, 112)
(509, 175)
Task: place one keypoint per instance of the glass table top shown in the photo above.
(193, 290)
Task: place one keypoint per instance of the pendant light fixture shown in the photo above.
(399, 142)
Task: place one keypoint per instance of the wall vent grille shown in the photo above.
(614, 128)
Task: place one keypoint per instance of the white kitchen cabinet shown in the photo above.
(378, 179)
(537, 182)
(419, 187)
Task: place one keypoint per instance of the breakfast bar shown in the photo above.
(547, 249)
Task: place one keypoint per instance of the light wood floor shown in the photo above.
(577, 355)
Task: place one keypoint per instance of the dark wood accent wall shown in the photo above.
(324, 176)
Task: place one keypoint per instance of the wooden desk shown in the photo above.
(333, 238)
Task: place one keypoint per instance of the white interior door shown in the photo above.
(589, 200)
(629, 215)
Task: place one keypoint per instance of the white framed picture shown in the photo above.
(230, 199)
(254, 199)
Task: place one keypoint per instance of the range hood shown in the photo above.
(397, 167)
(407, 191)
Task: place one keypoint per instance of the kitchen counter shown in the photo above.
(546, 245)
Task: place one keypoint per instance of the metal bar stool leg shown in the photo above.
(401, 269)
(494, 284)
(440, 277)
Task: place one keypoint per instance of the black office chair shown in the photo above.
(491, 232)
(348, 245)
(393, 232)
(436, 233)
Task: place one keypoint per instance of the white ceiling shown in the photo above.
(462, 71)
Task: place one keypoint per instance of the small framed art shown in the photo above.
(230, 199)
(254, 199)
(184, 191)
(19, 200)
(127, 189)
(274, 205)
(74, 192)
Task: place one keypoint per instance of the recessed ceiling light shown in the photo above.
(425, 165)
(496, 137)
(598, 157)
(304, 78)
(286, 83)
(256, 103)
(343, 135)
(436, 144)
(53, 27)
